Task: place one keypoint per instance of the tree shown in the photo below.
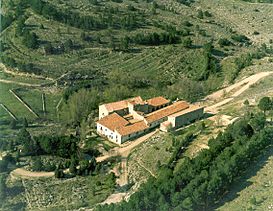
(187, 204)
(258, 122)
(72, 167)
(242, 128)
(116, 92)
(13, 124)
(84, 36)
(208, 47)
(37, 164)
(112, 43)
(58, 173)
(23, 136)
(224, 42)
(200, 14)
(3, 165)
(68, 45)
(48, 48)
(31, 40)
(125, 43)
(265, 104)
(79, 106)
(3, 188)
(187, 42)
(246, 102)
(30, 146)
(83, 130)
(25, 123)
(20, 26)
(84, 167)
(246, 106)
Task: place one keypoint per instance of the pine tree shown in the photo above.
(25, 123)
(13, 124)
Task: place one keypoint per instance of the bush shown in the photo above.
(240, 38)
(155, 38)
(13, 124)
(224, 42)
(37, 164)
(3, 165)
(199, 183)
(208, 14)
(58, 173)
(3, 188)
(187, 42)
(200, 14)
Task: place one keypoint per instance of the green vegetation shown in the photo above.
(200, 182)
(259, 1)
(58, 194)
(125, 38)
(102, 51)
(254, 190)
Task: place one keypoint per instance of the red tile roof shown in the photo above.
(158, 101)
(130, 129)
(164, 112)
(190, 109)
(115, 106)
(113, 121)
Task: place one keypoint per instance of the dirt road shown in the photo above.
(125, 150)
(28, 174)
(238, 89)
(244, 84)
(15, 73)
(19, 83)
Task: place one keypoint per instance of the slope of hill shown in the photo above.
(155, 44)
(117, 49)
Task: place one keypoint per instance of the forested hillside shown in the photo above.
(200, 183)
(61, 59)
(133, 47)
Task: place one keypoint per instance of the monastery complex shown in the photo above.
(129, 119)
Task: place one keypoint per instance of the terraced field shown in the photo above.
(244, 17)
(93, 58)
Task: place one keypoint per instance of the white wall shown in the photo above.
(111, 135)
(102, 111)
(157, 123)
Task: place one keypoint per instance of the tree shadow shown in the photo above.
(16, 190)
(243, 182)
(219, 53)
(20, 206)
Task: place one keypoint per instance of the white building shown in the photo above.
(128, 119)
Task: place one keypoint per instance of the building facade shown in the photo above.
(128, 119)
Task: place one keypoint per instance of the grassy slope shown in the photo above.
(97, 57)
(148, 61)
(31, 96)
(243, 17)
(254, 190)
(56, 194)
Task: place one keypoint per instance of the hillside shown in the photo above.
(143, 45)
(61, 59)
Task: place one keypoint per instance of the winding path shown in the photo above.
(125, 149)
(238, 88)
(27, 174)
(19, 83)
